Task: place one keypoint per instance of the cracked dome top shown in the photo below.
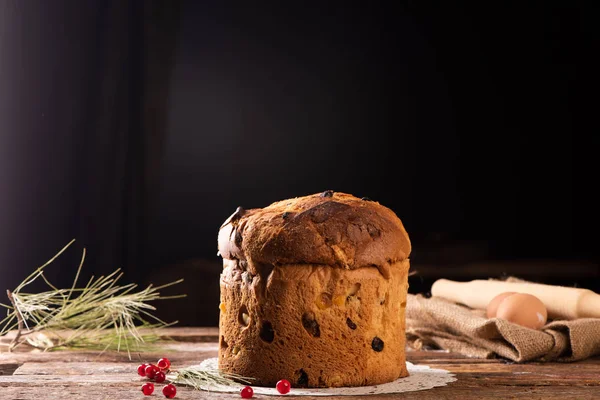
(329, 228)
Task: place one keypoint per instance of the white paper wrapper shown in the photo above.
(421, 377)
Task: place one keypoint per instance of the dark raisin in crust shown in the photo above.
(377, 344)
(350, 324)
(311, 325)
(266, 332)
(303, 379)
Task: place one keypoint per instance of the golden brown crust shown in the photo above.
(314, 325)
(329, 228)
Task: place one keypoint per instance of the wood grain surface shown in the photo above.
(78, 375)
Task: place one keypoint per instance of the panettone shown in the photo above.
(313, 290)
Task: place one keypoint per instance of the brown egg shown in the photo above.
(495, 302)
(523, 309)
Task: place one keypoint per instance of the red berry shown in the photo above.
(147, 389)
(247, 392)
(283, 386)
(142, 370)
(151, 371)
(169, 391)
(160, 377)
(164, 364)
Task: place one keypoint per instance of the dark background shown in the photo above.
(138, 127)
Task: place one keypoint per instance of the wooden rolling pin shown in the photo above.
(560, 301)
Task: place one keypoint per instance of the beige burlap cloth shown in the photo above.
(434, 322)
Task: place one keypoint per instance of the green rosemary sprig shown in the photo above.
(102, 315)
(200, 378)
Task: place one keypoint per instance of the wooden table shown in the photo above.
(75, 375)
